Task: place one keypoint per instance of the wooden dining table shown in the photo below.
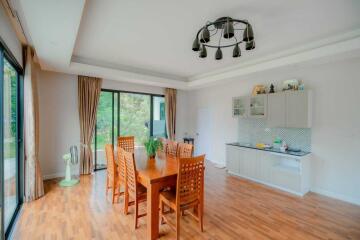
(155, 174)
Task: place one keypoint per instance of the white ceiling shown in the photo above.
(150, 42)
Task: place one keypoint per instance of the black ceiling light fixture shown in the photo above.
(203, 52)
(227, 32)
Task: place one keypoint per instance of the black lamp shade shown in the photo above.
(236, 51)
(196, 45)
(250, 45)
(218, 54)
(203, 52)
(228, 30)
(205, 35)
(248, 33)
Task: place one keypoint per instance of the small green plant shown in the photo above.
(152, 145)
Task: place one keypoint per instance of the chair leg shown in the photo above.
(200, 216)
(161, 212)
(178, 213)
(126, 202)
(136, 213)
(107, 185)
(113, 194)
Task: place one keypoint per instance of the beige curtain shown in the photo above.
(34, 187)
(170, 110)
(89, 89)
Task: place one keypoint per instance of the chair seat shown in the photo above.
(141, 193)
(169, 197)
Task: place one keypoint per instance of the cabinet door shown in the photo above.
(298, 110)
(266, 161)
(258, 106)
(232, 160)
(250, 163)
(276, 110)
(239, 107)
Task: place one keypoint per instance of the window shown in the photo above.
(126, 113)
(10, 139)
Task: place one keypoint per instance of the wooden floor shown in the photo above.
(234, 209)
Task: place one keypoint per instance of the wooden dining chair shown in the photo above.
(133, 189)
(171, 147)
(189, 192)
(112, 179)
(164, 144)
(127, 143)
(185, 150)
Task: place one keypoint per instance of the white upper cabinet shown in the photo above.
(258, 106)
(276, 110)
(239, 107)
(298, 109)
(291, 109)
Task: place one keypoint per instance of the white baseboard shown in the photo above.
(53, 175)
(216, 164)
(338, 196)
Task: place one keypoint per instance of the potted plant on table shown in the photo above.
(152, 145)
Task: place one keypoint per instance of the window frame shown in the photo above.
(114, 91)
(5, 53)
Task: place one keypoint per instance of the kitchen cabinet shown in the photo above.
(298, 109)
(239, 107)
(232, 159)
(258, 106)
(278, 170)
(290, 109)
(276, 110)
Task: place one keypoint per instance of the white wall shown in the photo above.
(336, 120)
(59, 120)
(8, 35)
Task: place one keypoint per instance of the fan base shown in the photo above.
(68, 183)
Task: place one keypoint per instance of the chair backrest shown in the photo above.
(185, 150)
(110, 160)
(121, 164)
(164, 143)
(190, 180)
(127, 143)
(130, 173)
(171, 147)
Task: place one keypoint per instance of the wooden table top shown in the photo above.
(153, 170)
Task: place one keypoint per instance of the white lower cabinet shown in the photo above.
(288, 173)
(232, 159)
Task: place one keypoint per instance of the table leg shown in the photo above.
(152, 213)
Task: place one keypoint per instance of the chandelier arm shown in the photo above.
(222, 21)
(222, 31)
(214, 33)
(223, 46)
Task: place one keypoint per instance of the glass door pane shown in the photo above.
(10, 117)
(135, 116)
(159, 128)
(104, 128)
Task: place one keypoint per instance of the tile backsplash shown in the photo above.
(255, 131)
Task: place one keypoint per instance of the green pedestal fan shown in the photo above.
(71, 160)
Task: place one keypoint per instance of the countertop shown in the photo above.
(292, 153)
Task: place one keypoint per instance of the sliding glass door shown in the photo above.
(135, 116)
(10, 139)
(126, 113)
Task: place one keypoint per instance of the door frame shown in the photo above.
(152, 95)
(6, 53)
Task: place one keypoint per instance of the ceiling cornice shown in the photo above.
(125, 76)
(324, 48)
(329, 47)
(55, 50)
